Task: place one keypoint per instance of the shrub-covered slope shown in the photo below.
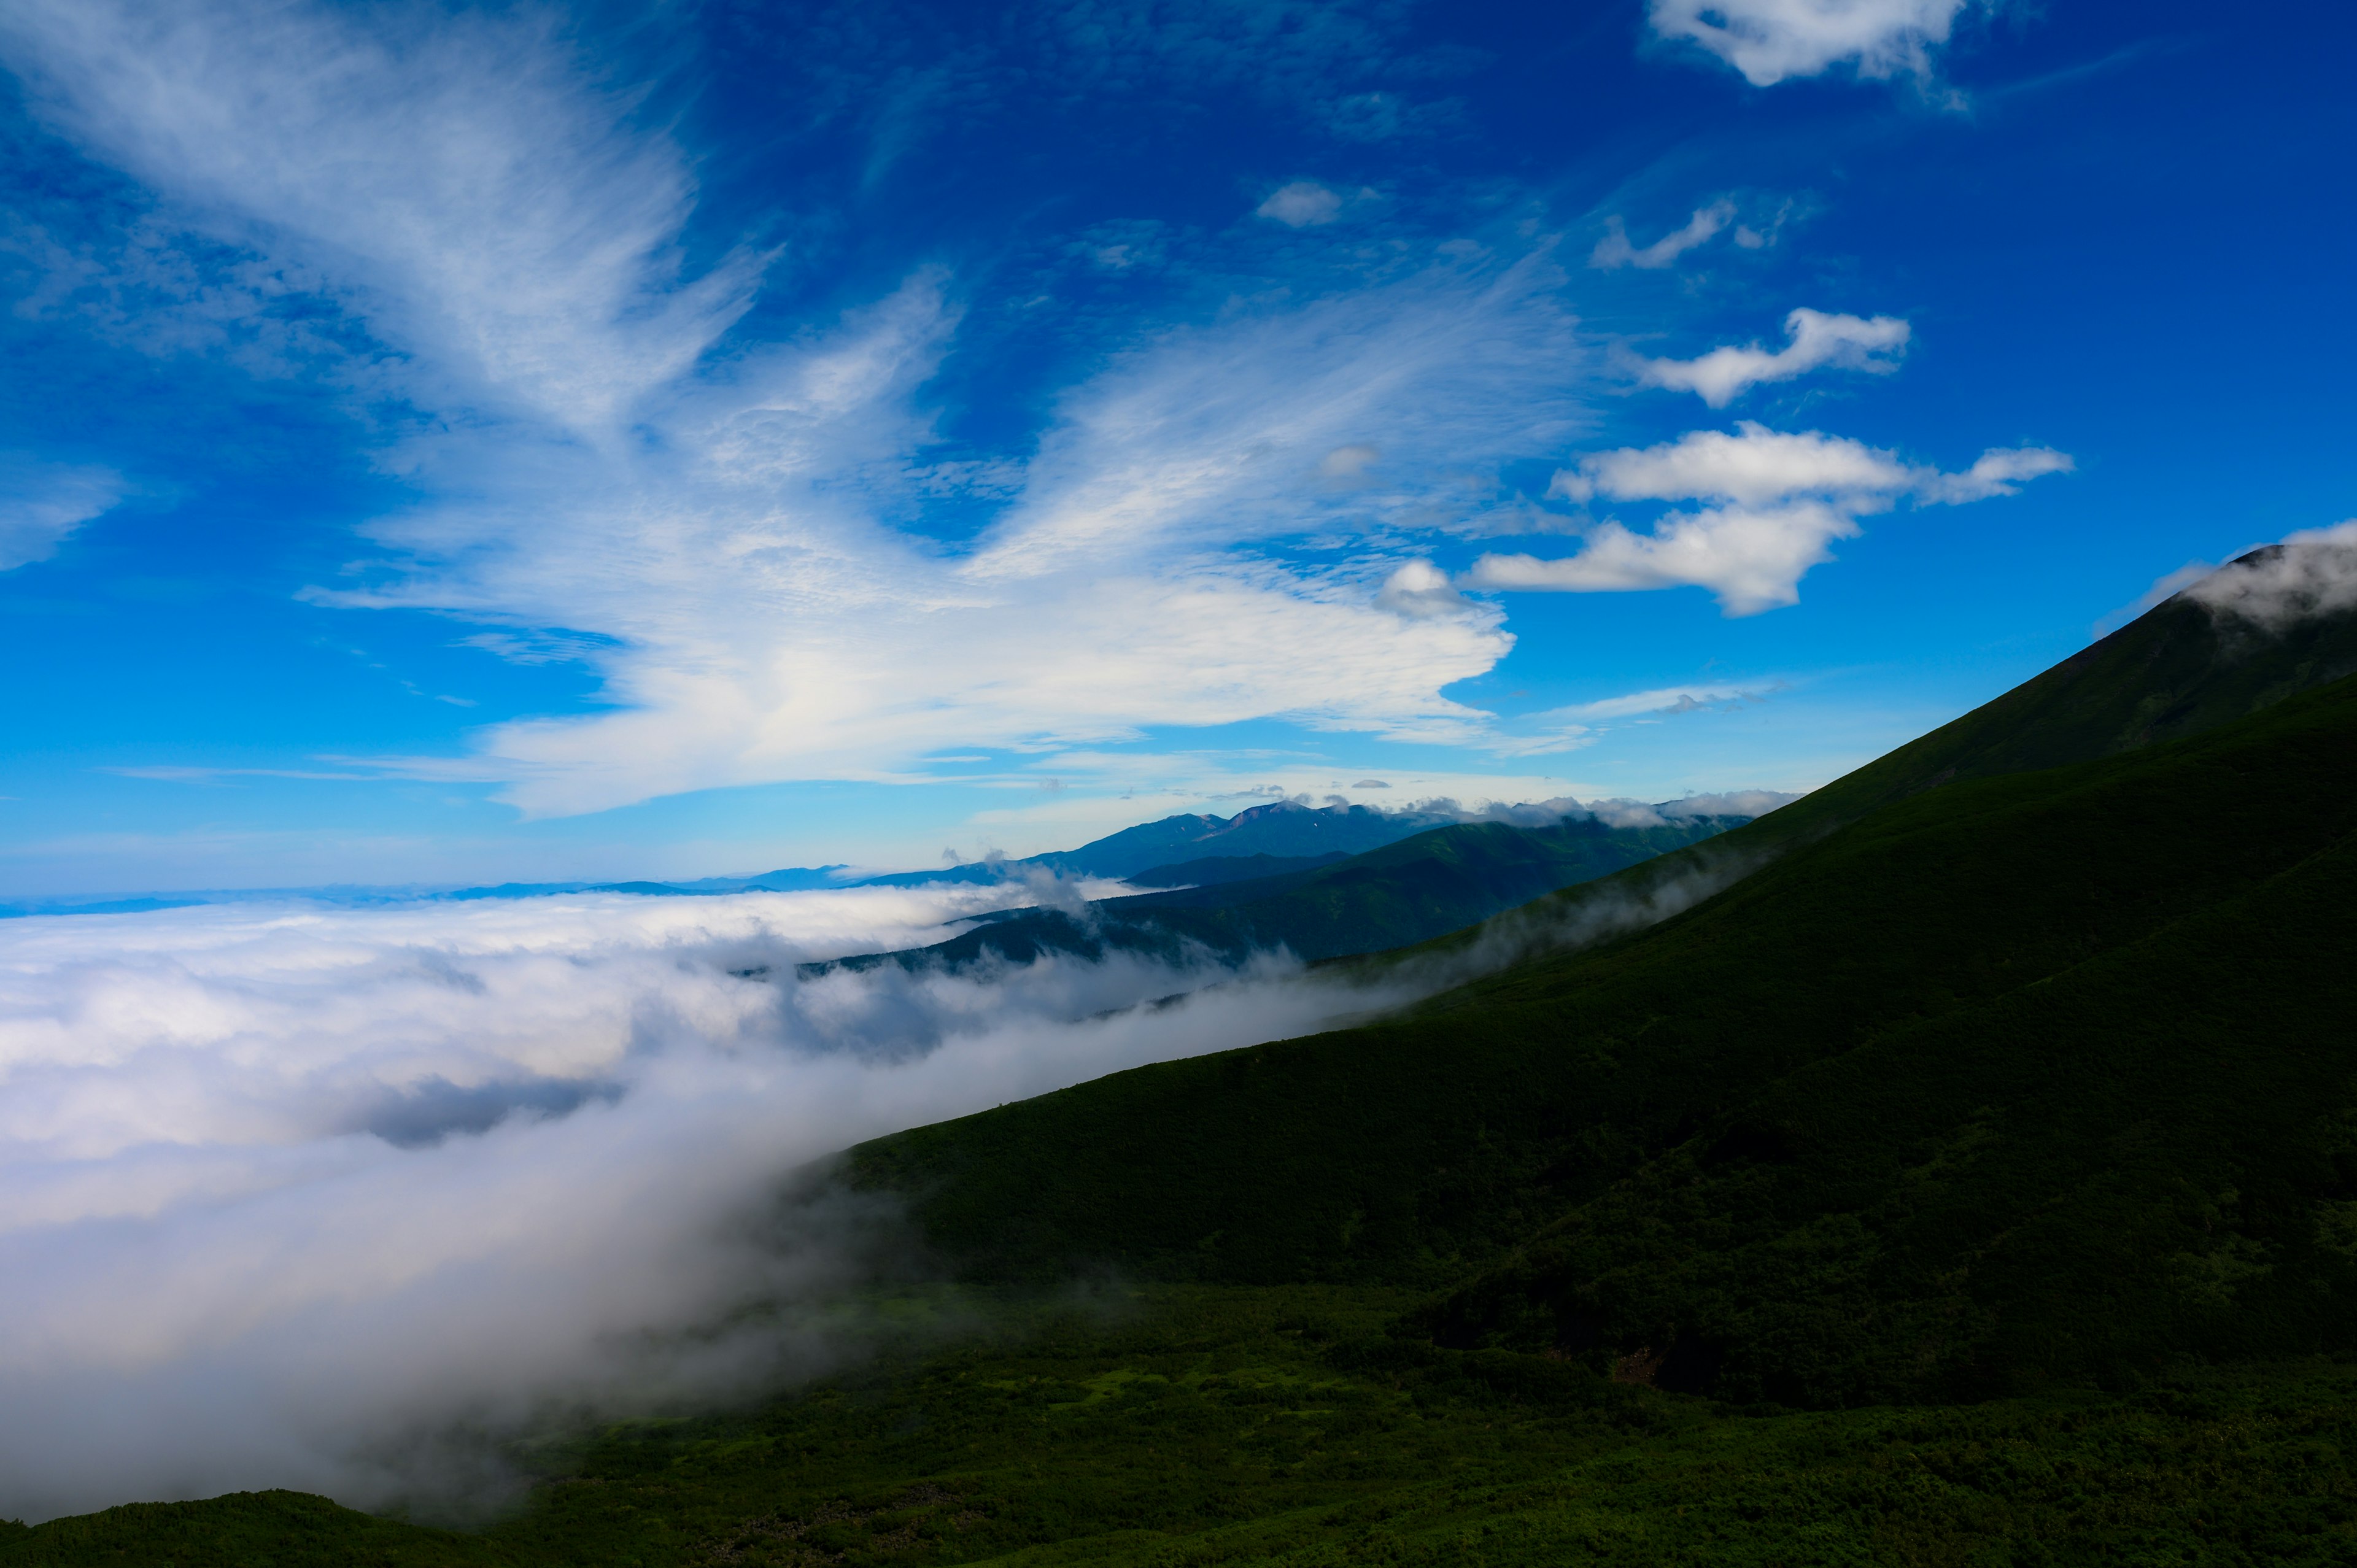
(1200, 1426)
(2176, 671)
(1883, 1118)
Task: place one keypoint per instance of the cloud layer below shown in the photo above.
(295, 1193)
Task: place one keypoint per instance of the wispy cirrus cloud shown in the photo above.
(460, 181)
(722, 531)
(1779, 502)
(1664, 700)
(42, 504)
(1615, 250)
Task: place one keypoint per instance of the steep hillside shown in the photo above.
(1989, 998)
(2179, 670)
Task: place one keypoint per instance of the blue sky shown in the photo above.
(518, 442)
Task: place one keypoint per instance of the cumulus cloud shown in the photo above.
(41, 503)
(1781, 501)
(1851, 342)
(1771, 40)
(2310, 574)
(1615, 250)
(730, 535)
(295, 1191)
(1419, 589)
(1304, 204)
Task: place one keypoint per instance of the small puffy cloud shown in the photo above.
(1301, 205)
(1872, 344)
(1615, 250)
(2310, 574)
(1754, 465)
(1372, 784)
(1419, 589)
(1348, 464)
(1771, 40)
(1779, 501)
(1753, 559)
(41, 503)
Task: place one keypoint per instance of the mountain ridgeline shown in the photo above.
(1440, 880)
(2023, 1055)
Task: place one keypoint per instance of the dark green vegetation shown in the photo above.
(1438, 881)
(2043, 1076)
(1196, 1426)
(1967, 1174)
(1213, 870)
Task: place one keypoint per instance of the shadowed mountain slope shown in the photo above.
(2035, 1073)
(2178, 671)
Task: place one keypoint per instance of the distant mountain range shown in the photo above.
(1324, 906)
(1282, 835)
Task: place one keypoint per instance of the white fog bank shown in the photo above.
(289, 1194)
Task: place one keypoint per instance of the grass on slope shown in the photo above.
(1196, 1426)
(1417, 1150)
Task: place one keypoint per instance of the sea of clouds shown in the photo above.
(342, 1199)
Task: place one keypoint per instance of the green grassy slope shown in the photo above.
(1437, 882)
(2174, 672)
(1189, 1427)
(2044, 939)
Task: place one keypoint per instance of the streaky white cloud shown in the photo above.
(455, 179)
(762, 621)
(2310, 574)
(1999, 471)
(303, 1197)
(725, 537)
(1615, 250)
(1872, 344)
(1771, 40)
(1782, 501)
(1661, 700)
(1304, 204)
(42, 504)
